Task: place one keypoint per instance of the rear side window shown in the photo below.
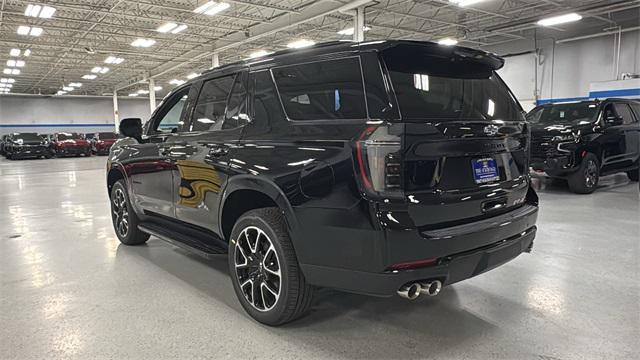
(266, 105)
(322, 90)
(209, 113)
(236, 114)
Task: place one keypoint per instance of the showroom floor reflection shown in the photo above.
(68, 289)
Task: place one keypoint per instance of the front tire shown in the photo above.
(633, 175)
(125, 221)
(264, 268)
(585, 180)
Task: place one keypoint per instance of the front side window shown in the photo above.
(322, 90)
(171, 116)
(209, 113)
(624, 112)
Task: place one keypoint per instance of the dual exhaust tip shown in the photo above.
(411, 291)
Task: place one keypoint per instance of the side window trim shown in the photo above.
(323, 121)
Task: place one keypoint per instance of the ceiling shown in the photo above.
(83, 33)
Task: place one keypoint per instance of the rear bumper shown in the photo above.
(506, 236)
(73, 151)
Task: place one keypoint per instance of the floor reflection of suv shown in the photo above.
(383, 168)
(581, 141)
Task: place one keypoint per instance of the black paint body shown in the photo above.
(344, 237)
(558, 148)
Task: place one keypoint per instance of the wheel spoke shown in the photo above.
(258, 268)
(244, 257)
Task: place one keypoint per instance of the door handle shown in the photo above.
(216, 149)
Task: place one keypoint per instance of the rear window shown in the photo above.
(439, 88)
(322, 90)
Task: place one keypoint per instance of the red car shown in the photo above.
(102, 141)
(70, 144)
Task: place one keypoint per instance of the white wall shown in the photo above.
(48, 114)
(566, 70)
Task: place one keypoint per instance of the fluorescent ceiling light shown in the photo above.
(165, 28)
(23, 30)
(157, 88)
(143, 92)
(561, 19)
(35, 31)
(113, 60)
(75, 84)
(259, 53)
(11, 71)
(192, 76)
(14, 52)
(104, 70)
(27, 52)
(68, 88)
(211, 8)
(176, 82)
(89, 77)
(179, 29)
(350, 30)
(133, 94)
(448, 42)
(60, 92)
(44, 12)
(143, 42)
(15, 63)
(99, 69)
(300, 44)
(463, 3)
(7, 81)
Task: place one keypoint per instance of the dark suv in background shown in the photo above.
(25, 145)
(581, 141)
(379, 168)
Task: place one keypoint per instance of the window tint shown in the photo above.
(212, 102)
(624, 112)
(430, 87)
(323, 90)
(236, 115)
(266, 105)
(171, 120)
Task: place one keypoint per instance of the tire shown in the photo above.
(124, 219)
(585, 179)
(266, 229)
(633, 174)
(8, 156)
(48, 155)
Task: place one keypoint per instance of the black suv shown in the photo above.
(379, 168)
(26, 145)
(581, 141)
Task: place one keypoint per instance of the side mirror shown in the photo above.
(131, 127)
(614, 121)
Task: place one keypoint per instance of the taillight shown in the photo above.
(379, 161)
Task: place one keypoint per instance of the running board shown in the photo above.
(195, 241)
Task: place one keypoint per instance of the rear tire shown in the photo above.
(124, 218)
(585, 179)
(633, 174)
(260, 248)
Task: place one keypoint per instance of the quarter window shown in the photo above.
(322, 90)
(209, 113)
(171, 121)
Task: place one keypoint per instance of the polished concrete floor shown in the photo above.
(69, 290)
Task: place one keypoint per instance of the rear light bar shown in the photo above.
(379, 161)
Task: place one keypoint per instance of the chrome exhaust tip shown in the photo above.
(431, 288)
(410, 291)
